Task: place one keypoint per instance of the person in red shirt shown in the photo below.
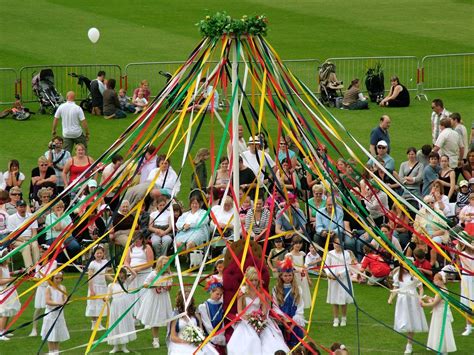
(374, 265)
(422, 264)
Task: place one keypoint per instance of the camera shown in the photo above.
(51, 145)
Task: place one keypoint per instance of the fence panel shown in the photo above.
(63, 82)
(448, 71)
(8, 81)
(405, 67)
(306, 70)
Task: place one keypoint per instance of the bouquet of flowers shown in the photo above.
(257, 321)
(192, 334)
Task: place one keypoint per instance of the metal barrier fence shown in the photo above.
(304, 69)
(63, 82)
(405, 67)
(447, 71)
(8, 85)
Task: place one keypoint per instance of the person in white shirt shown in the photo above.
(242, 144)
(449, 143)
(74, 124)
(31, 252)
(439, 112)
(254, 161)
(458, 126)
(148, 163)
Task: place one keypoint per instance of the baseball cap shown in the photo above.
(463, 183)
(382, 143)
(20, 203)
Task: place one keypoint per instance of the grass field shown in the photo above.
(55, 32)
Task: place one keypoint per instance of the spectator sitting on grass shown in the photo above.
(146, 90)
(398, 95)
(353, 98)
(374, 265)
(111, 102)
(124, 100)
(140, 102)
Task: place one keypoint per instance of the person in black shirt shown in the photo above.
(398, 95)
(247, 179)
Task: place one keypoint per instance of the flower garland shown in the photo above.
(221, 24)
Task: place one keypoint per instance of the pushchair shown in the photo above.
(85, 84)
(329, 87)
(43, 87)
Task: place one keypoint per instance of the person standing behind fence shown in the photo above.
(439, 112)
(353, 98)
(398, 96)
(97, 90)
(74, 124)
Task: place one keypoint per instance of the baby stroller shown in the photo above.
(329, 87)
(85, 84)
(43, 87)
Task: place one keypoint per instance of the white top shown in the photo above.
(3, 184)
(168, 181)
(45, 270)
(6, 175)
(95, 266)
(251, 161)
(435, 118)
(462, 131)
(71, 116)
(146, 168)
(15, 221)
(192, 219)
(449, 143)
(137, 256)
(3, 221)
(221, 215)
(311, 260)
(241, 147)
(162, 219)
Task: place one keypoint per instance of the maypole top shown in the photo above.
(221, 24)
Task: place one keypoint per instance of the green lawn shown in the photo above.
(374, 337)
(45, 32)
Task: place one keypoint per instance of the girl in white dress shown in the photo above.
(9, 303)
(140, 258)
(176, 344)
(156, 310)
(124, 332)
(270, 339)
(47, 267)
(440, 309)
(467, 280)
(338, 273)
(409, 316)
(97, 286)
(54, 322)
(300, 273)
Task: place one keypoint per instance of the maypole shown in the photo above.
(235, 137)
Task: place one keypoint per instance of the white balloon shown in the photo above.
(93, 34)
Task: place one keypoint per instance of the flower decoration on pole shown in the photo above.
(221, 24)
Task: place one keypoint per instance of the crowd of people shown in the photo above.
(284, 205)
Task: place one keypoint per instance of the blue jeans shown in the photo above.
(120, 114)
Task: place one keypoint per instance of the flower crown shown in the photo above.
(286, 265)
(212, 283)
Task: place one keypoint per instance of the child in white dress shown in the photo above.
(211, 312)
(301, 274)
(176, 344)
(42, 271)
(467, 280)
(9, 303)
(97, 286)
(124, 332)
(156, 310)
(312, 261)
(409, 316)
(54, 328)
(270, 339)
(441, 314)
(338, 270)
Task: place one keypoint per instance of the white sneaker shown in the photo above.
(408, 349)
(336, 322)
(4, 338)
(33, 333)
(467, 331)
(343, 322)
(9, 335)
(156, 343)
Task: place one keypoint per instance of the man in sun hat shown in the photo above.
(389, 162)
(254, 157)
(462, 197)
